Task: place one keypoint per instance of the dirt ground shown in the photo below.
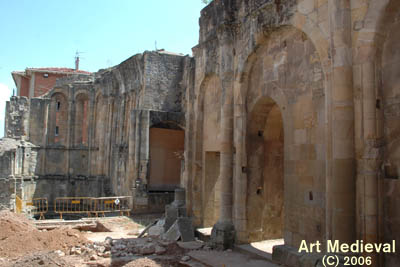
(113, 242)
(103, 242)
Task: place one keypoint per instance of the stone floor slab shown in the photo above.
(262, 248)
(228, 258)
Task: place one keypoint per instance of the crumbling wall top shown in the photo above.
(16, 120)
(10, 144)
(76, 78)
(236, 13)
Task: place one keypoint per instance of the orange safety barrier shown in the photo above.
(40, 206)
(73, 205)
(90, 205)
(119, 204)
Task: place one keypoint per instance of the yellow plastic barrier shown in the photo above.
(41, 206)
(90, 205)
(73, 205)
(119, 204)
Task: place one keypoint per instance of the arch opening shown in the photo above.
(166, 157)
(284, 74)
(58, 119)
(265, 194)
(81, 119)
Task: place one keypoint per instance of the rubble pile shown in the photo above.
(18, 236)
(176, 225)
(135, 248)
(168, 242)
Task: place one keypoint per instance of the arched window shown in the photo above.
(81, 119)
(58, 119)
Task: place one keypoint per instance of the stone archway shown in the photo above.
(265, 147)
(285, 71)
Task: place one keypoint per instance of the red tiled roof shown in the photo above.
(67, 70)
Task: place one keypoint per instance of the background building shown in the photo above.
(35, 82)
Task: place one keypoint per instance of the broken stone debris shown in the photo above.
(181, 229)
(176, 225)
(157, 229)
(130, 247)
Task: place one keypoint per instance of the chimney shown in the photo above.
(77, 62)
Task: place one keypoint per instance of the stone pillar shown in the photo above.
(198, 164)
(132, 150)
(101, 123)
(108, 137)
(369, 121)
(240, 175)
(341, 187)
(223, 232)
(137, 143)
(144, 145)
(139, 155)
(187, 180)
(49, 138)
(45, 137)
(70, 130)
(51, 121)
(91, 130)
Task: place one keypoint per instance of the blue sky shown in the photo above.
(43, 33)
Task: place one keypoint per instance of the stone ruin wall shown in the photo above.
(314, 81)
(329, 68)
(18, 161)
(97, 148)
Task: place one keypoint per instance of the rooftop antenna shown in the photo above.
(155, 44)
(77, 57)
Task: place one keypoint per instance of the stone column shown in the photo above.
(132, 150)
(223, 232)
(108, 136)
(137, 143)
(70, 129)
(186, 181)
(369, 135)
(139, 155)
(198, 164)
(50, 137)
(101, 123)
(370, 162)
(51, 121)
(240, 175)
(144, 152)
(226, 161)
(91, 130)
(46, 136)
(341, 187)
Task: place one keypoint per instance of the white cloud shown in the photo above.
(5, 94)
